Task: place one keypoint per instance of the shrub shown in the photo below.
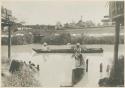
(63, 38)
(23, 78)
(5, 60)
(4, 40)
(19, 40)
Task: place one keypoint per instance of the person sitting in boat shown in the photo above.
(45, 47)
(69, 45)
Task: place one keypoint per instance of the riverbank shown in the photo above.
(103, 35)
(21, 38)
(23, 77)
(62, 39)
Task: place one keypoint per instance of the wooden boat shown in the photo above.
(90, 50)
(78, 71)
(77, 75)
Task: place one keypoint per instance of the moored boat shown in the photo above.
(90, 50)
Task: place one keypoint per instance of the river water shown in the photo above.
(56, 68)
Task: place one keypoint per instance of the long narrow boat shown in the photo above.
(90, 50)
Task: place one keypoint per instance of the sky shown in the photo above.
(51, 12)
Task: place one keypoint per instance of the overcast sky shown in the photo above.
(50, 12)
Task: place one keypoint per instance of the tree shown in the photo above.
(98, 25)
(89, 23)
(22, 25)
(58, 25)
(66, 25)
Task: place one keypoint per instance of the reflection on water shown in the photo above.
(56, 69)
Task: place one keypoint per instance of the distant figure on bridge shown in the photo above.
(45, 47)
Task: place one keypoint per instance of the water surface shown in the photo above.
(56, 68)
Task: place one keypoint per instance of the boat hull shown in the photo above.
(77, 75)
(90, 50)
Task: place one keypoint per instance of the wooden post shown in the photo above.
(87, 65)
(117, 30)
(101, 67)
(9, 35)
(108, 68)
(9, 41)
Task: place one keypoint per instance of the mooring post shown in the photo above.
(108, 68)
(101, 67)
(9, 35)
(87, 65)
(9, 42)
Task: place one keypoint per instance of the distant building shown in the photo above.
(106, 21)
(80, 24)
(66, 25)
(70, 25)
(99, 25)
(89, 24)
(77, 25)
(116, 11)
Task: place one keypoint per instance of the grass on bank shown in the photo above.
(62, 39)
(23, 78)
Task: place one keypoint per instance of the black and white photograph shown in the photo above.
(62, 43)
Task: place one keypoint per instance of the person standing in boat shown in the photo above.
(78, 55)
(45, 47)
(78, 49)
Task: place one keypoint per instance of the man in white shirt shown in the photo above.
(45, 47)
